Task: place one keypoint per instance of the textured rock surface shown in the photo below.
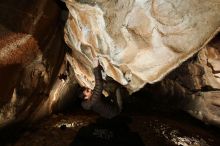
(31, 53)
(195, 85)
(137, 41)
(201, 83)
(157, 130)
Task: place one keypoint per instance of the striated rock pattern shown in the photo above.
(31, 53)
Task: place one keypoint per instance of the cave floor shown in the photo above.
(150, 129)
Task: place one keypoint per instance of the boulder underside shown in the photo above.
(137, 42)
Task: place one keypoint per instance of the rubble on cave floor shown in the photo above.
(150, 129)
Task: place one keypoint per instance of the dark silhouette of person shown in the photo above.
(108, 132)
(94, 100)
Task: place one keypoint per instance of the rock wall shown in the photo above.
(202, 84)
(195, 85)
(31, 53)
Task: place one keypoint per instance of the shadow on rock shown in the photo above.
(113, 132)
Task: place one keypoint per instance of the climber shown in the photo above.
(95, 100)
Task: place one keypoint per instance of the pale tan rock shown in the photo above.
(137, 41)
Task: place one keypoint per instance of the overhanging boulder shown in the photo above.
(137, 41)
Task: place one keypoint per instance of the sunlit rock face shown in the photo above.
(31, 53)
(137, 41)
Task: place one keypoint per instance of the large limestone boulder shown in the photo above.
(141, 41)
(137, 41)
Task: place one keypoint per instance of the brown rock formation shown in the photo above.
(195, 85)
(29, 62)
